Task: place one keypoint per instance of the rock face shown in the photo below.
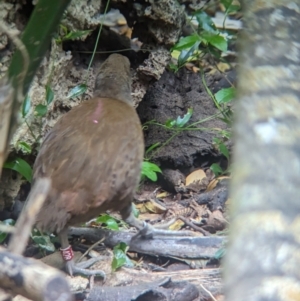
(171, 97)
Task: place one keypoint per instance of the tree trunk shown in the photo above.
(263, 254)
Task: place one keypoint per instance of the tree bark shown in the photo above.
(263, 255)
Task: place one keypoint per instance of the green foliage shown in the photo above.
(24, 147)
(77, 91)
(207, 39)
(43, 241)
(26, 105)
(21, 166)
(109, 221)
(49, 95)
(36, 38)
(219, 143)
(70, 35)
(120, 258)
(225, 95)
(150, 170)
(40, 110)
(3, 235)
(177, 126)
(180, 122)
(229, 7)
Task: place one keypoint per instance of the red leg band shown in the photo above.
(67, 253)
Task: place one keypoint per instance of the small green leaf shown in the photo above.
(26, 106)
(3, 235)
(120, 257)
(149, 170)
(109, 221)
(40, 110)
(20, 166)
(173, 67)
(225, 95)
(170, 123)
(216, 140)
(226, 134)
(180, 122)
(64, 29)
(26, 148)
(216, 169)
(187, 54)
(205, 22)
(229, 7)
(78, 90)
(43, 242)
(49, 94)
(224, 150)
(135, 211)
(73, 35)
(186, 42)
(233, 9)
(216, 40)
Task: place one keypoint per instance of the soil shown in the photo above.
(169, 98)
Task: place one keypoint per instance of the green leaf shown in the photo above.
(149, 170)
(3, 235)
(173, 67)
(180, 121)
(205, 22)
(224, 150)
(185, 55)
(49, 94)
(135, 211)
(216, 169)
(186, 42)
(109, 221)
(229, 7)
(233, 9)
(20, 166)
(216, 40)
(43, 242)
(40, 110)
(120, 257)
(26, 148)
(225, 95)
(73, 35)
(226, 134)
(78, 90)
(226, 3)
(26, 106)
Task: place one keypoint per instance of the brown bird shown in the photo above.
(93, 156)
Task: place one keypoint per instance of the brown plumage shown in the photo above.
(93, 156)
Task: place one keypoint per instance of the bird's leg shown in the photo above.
(67, 254)
(147, 231)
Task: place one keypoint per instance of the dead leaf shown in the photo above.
(214, 182)
(154, 207)
(177, 225)
(195, 176)
(223, 67)
(162, 195)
